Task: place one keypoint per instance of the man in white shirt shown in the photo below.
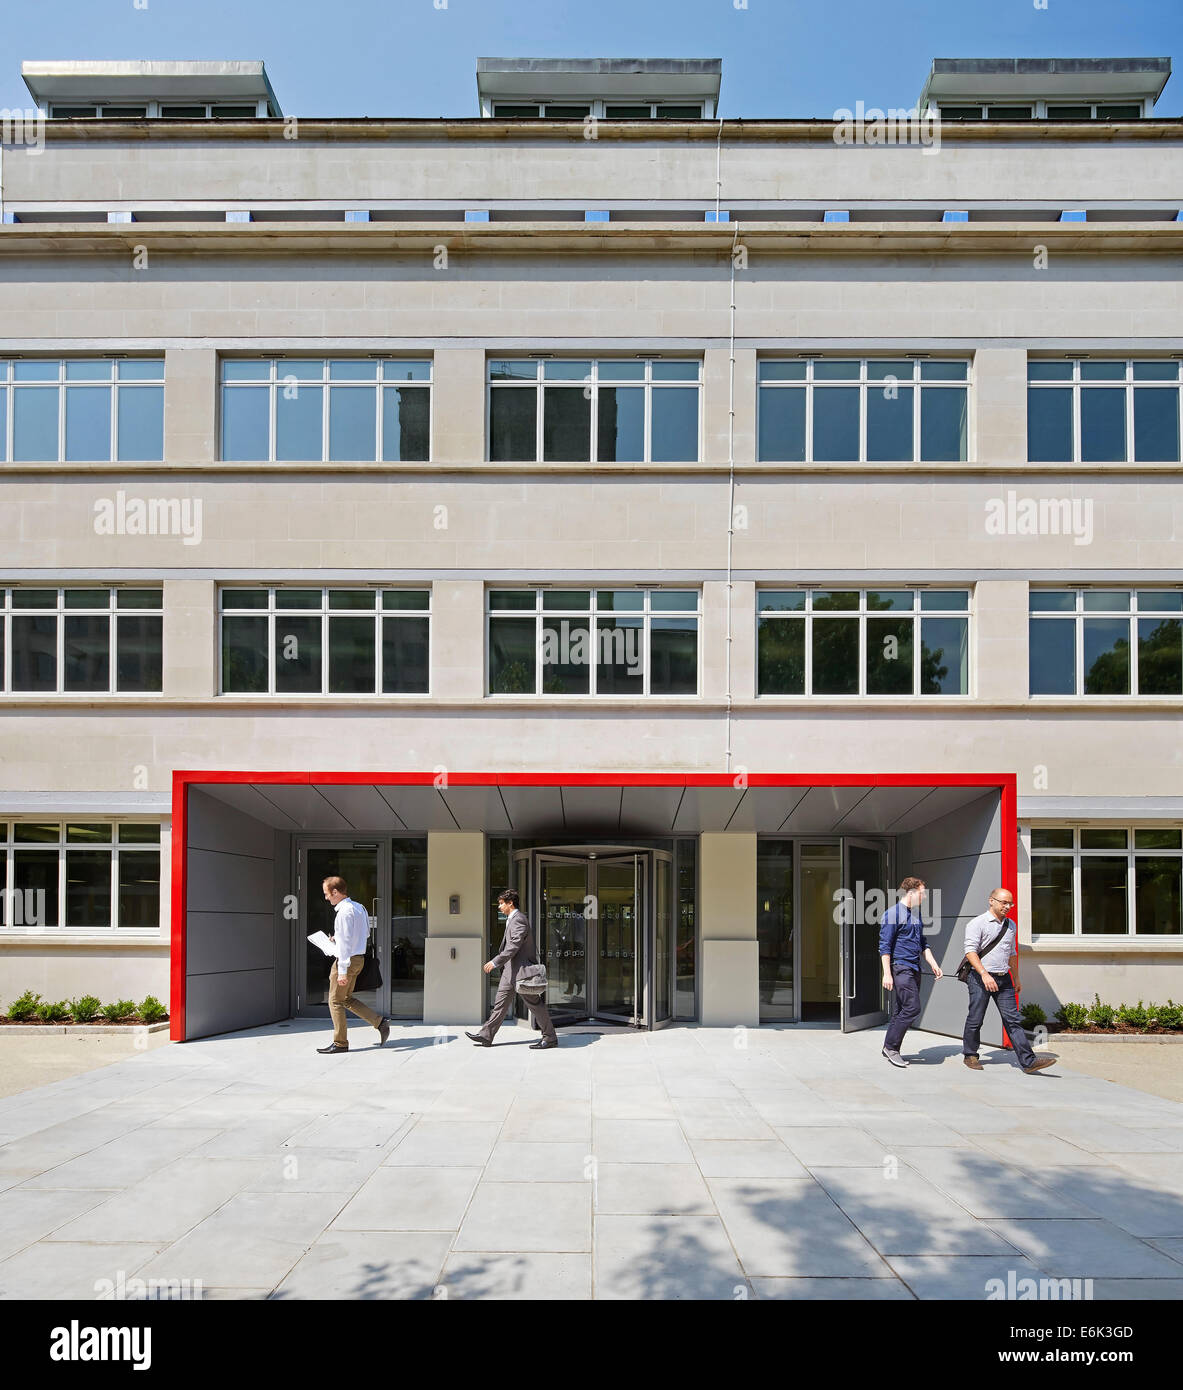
(351, 929)
(992, 949)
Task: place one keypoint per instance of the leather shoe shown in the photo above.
(972, 1063)
(541, 1045)
(480, 1042)
(334, 1047)
(1040, 1063)
(383, 1031)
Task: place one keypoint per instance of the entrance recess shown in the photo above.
(603, 916)
(866, 880)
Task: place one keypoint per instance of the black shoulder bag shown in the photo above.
(370, 976)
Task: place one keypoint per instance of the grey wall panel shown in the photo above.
(224, 941)
(960, 881)
(232, 949)
(221, 882)
(212, 824)
(226, 1002)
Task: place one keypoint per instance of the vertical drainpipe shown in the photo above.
(730, 434)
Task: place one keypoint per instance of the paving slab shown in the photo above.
(410, 1199)
(834, 1290)
(666, 1258)
(534, 1275)
(901, 1213)
(1085, 1249)
(651, 1189)
(509, 1216)
(65, 1269)
(368, 1265)
(791, 1226)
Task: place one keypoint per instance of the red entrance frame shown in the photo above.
(1005, 783)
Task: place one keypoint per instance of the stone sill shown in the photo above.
(594, 238)
(1164, 945)
(553, 704)
(134, 1030)
(42, 939)
(1117, 1037)
(441, 469)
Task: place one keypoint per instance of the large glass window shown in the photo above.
(593, 641)
(1106, 642)
(76, 640)
(79, 876)
(863, 409)
(1106, 880)
(349, 410)
(862, 642)
(1094, 411)
(325, 641)
(86, 410)
(612, 410)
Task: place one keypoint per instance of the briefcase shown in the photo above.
(531, 981)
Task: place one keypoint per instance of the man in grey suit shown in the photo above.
(517, 950)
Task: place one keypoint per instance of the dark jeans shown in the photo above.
(905, 1005)
(1008, 1008)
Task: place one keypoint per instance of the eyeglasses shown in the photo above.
(1003, 902)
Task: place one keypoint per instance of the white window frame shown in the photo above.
(272, 613)
(864, 383)
(1076, 383)
(540, 616)
(58, 612)
(1077, 855)
(591, 383)
(1078, 614)
(862, 614)
(113, 384)
(277, 379)
(9, 848)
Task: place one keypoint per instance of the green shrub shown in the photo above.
(1073, 1016)
(1135, 1015)
(117, 1012)
(1033, 1016)
(54, 1013)
(24, 1007)
(152, 1010)
(1169, 1015)
(1101, 1015)
(86, 1009)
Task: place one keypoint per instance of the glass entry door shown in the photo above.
(603, 918)
(363, 869)
(619, 911)
(561, 928)
(866, 869)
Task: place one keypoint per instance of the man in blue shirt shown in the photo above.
(900, 934)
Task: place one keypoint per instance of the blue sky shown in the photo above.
(410, 58)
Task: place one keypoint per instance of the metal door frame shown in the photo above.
(301, 845)
(853, 1023)
(644, 918)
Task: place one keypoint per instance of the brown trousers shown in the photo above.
(341, 998)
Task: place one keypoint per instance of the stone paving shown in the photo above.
(788, 1162)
